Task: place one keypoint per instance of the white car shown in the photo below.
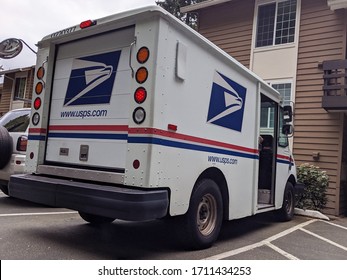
(14, 127)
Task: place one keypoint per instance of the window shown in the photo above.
(16, 121)
(285, 90)
(267, 116)
(19, 90)
(267, 112)
(266, 23)
(276, 23)
(268, 121)
(285, 24)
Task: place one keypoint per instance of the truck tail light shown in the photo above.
(172, 127)
(39, 88)
(87, 23)
(141, 75)
(136, 164)
(140, 95)
(139, 115)
(40, 73)
(35, 118)
(22, 143)
(37, 103)
(142, 55)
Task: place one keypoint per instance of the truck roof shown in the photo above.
(131, 17)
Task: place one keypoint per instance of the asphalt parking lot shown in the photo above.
(34, 232)
(310, 240)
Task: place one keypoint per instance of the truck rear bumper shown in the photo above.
(103, 200)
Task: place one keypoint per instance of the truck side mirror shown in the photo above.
(287, 129)
(287, 114)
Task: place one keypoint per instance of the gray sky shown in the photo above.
(31, 20)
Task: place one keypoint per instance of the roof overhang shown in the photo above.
(337, 4)
(202, 5)
(17, 70)
(333, 5)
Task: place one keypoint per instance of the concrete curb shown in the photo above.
(311, 213)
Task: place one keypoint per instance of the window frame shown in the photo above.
(279, 82)
(19, 76)
(260, 3)
(282, 82)
(284, 101)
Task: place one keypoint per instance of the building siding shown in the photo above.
(343, 185)
(321, 38)
(8, 87)
(29, 86)
(5, 103)
(229, 29)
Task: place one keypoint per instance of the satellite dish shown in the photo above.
(10, 48)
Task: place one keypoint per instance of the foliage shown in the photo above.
(316, 183)
(174, 6)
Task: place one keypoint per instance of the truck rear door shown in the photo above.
(88, 121)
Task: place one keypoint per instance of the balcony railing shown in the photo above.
(335, 85)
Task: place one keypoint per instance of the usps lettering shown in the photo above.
(227, 103)
(91, 79)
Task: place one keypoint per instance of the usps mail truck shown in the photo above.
(138, 117)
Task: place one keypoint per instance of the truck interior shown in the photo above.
(267, 152)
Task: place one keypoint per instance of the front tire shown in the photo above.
(95, 219)
(200, 226)
(286, 213)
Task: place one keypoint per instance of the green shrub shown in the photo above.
(316, 183)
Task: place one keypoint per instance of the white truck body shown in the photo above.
(202, 120)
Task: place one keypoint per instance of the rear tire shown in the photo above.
(199, 228)
(95, 219)
(5, 147)
(286, 213)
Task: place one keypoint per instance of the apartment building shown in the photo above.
(17, 88)
(300, 48)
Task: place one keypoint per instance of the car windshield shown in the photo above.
(16, 121)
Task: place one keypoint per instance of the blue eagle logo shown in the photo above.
(91, 79)
(227, 102)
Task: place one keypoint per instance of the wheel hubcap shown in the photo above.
(207, 214)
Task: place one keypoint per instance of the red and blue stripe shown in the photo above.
(148, 136)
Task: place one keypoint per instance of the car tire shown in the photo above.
(95, 219)
(5, 147)
(286, 213)
(199, 228)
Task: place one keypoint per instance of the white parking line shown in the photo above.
(261, 243)
(324, 239)
(282, 252)
(36, 214)
(336, 225)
